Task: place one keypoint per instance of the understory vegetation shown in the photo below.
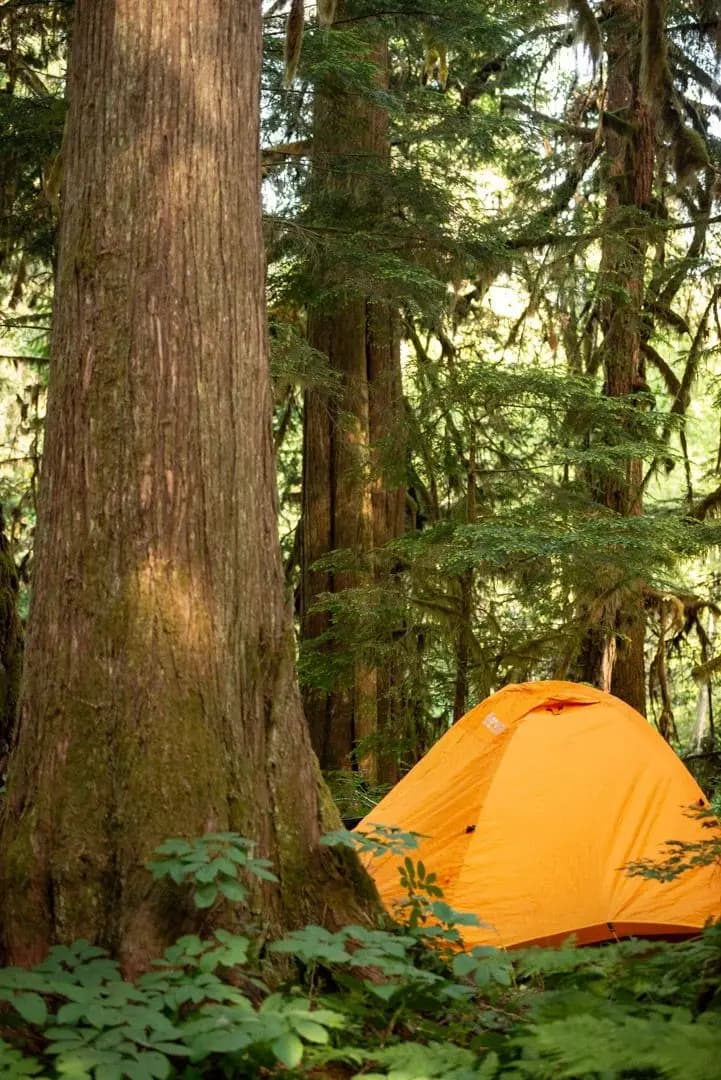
(402, 1000)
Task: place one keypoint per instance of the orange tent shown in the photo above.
(532, 806)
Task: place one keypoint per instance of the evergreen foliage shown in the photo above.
(487, 225)
(484, 227)
(32, 113)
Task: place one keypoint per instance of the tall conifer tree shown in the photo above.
(353, 491)
(160, 693)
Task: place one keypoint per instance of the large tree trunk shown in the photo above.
(352, 496)
(160, 693)
(613, 651)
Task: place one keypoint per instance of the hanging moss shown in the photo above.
(293, 40)
(586, 27)
(690, 153)
(326, 12)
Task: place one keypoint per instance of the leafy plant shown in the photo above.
(376, 839)
(214, 863)
(678, 856)
(366, 1002)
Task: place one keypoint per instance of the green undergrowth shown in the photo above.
(402, 1001)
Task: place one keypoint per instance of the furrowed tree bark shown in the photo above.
(612, 655)
(352, 497)
(160, 693)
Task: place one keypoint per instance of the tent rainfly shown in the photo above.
(533, 804)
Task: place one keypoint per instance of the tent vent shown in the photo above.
(494, 725)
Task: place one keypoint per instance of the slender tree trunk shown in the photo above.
(388, 501)
(352, 496)
(11, 647)
(466, 584)
(613, 651)
(160, 693)
(703, 722)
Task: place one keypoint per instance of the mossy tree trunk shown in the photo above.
(353, 497)
(612, 655)
(160, 693)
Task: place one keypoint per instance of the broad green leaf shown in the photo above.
(233, 889)
(309, 1030)
(70, 1013)
(32, 1008)
(224, 865)
(218, 1042)
(237, 855)
(464, 964)
(151, 1065)
(384, 991)
(206, 896)
(288, 1049)
(114, 1071)
(174, 847)
(207, 873)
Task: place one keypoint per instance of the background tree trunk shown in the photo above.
(613, 652)
(11, 647)
(353, 445)
(160, 693)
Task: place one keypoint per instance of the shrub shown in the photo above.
(402, 1001)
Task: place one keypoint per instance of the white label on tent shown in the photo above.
(494, 725)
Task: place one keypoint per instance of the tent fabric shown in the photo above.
(531, 807)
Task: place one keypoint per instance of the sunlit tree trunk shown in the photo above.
(353, 443)
(160, 693)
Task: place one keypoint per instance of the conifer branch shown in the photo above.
(278, 155)
(583, 134)
(703, 78)
(25, 72)
(669, 376)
